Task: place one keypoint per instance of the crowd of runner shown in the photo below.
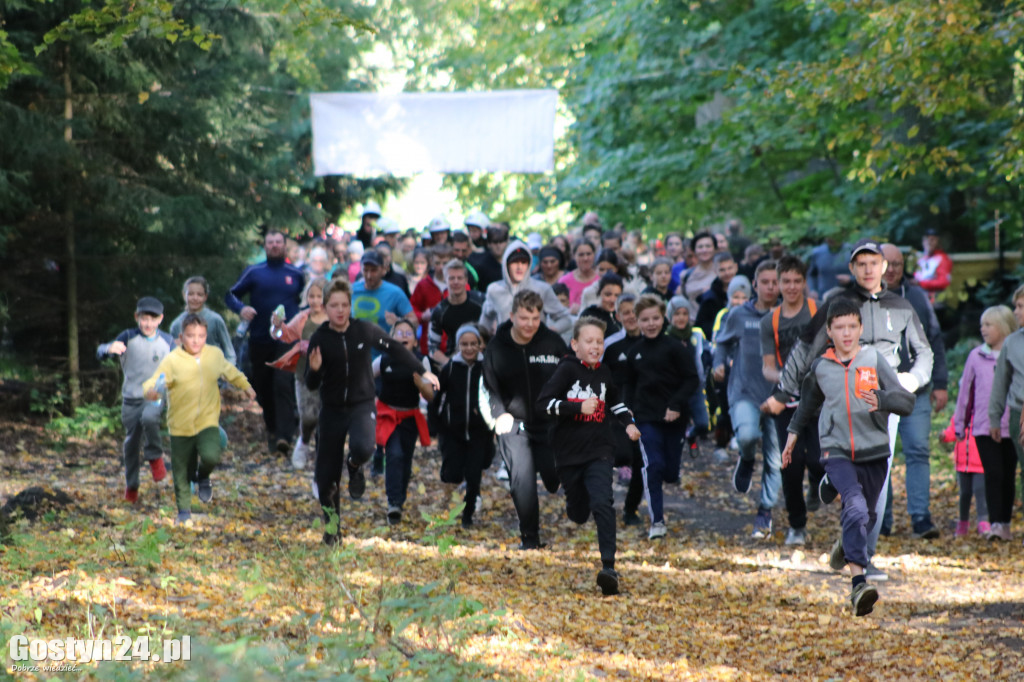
(593, 352)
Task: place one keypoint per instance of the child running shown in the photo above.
(854, 387)
(681, 327)
(300, 328)
(465, 439)
(195, 292)
(139, 351)
(661, 375)
(191, 372)
(340, 366)
(399, 419)
(579, 396)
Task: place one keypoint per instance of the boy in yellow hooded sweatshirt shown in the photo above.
(190, 373)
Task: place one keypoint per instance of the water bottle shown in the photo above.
(161, 387)
(243, 327)
(278, 312)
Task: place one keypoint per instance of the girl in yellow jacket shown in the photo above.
(190, 373)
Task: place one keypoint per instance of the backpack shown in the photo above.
(777, 315)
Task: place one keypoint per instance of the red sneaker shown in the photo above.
(131, 495)
(159, 470)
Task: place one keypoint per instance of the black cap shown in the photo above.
(931, 232)
(496, 233)
(148, 304)
(371, 257)
(866, 245)
(520, 254)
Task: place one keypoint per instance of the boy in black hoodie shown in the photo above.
(465, 439)
(579, 396)
(519, 360)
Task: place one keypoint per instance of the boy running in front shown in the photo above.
(854, 432)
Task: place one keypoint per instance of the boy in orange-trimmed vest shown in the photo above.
(779, 332)
(853, 387)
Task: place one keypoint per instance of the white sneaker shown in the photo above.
(721, 456)
(300, 454)
(796, 536)
(316, 491)
(875, 574)
(734, 445)
(502, 473)
(657, 531)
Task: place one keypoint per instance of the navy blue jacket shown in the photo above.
(268, 284)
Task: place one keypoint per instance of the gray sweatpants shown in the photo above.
(141, 420)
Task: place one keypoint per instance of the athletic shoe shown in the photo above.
(812, 501)
(131, 495)
(502, 473)
(467, 523)
(734, 445)
(332, 539)
(962, 528)
(984, 529)
(300, 454)
(631, 518)
(531, 544)
(283, 446)
(657, 531)
(183, 518)
(377, 463)
(925, 530)
(837, 557)
(608, 581)
(394, 514)
(762, 525)
(875, 574)
(742, 475)
(694, 448)
(356, 481)
(863, 598)
(721, 456)
(827, 492)
(158, 468)
(1000, 531)
(316, 490)
(205, 490)
(625, 475)
(796, 536)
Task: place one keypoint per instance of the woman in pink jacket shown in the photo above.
(998, 459)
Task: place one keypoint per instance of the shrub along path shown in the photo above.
(259, 596)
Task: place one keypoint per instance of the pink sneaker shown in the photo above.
(984, 529)
(961, 528)
(625, 474)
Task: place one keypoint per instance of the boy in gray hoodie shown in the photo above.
(854, 432)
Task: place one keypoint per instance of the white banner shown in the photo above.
(448, 132)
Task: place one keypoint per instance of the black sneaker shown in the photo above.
(394, 514)
(863, 598)
(527, 545)
(356, 481)
(925, 530)
(608, 581)
(813, 502)
(283, 447)
(631, 518)
(467, 523)
(827, 492)
(205, 490)
(742, 475)
(332, 539)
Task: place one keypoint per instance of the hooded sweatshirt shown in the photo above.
(579, 438)
(739, 340)
(973, 399)
(660, 373)
(514, 374)
(847, 428)
(457, 404)
(1008, 384)
(498, 306)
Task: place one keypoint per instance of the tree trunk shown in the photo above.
(72, 262)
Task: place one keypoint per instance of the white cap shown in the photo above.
(439, 224)
(355, 248)
(387, 226)
(371, 208)
(477, 219)
(534, 241)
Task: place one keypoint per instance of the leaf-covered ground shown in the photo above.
(253, 587)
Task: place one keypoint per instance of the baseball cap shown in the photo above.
(931, 232)
(148, 304)
(497, 234)
(520, 254)
(866, 245)
(371, 257)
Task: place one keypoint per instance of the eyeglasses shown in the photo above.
(895, 263)
(404, 335)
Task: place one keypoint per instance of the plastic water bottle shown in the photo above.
(278, 312)
(161, 388)
(243, 327)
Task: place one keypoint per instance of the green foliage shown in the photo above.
(88, 423)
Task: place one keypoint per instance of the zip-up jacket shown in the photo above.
(660, 373)
(141, 356)
(739, 340)
(268, 284)
(217, 333)
(616, 348)
(579, 438)
(498, 305)
(973, 398)
(888, 320)
(514, 374)
(346, 376)
(918, 298)
(446, 320)
(847, 429)
(193, 396)
(1008, 384)
(457, 404)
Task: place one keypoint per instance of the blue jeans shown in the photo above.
(913, 431)
(751, 426)
(662, 448)
(699, 413)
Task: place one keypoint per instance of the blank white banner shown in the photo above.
(448, 132)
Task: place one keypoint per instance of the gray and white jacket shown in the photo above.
(498, 306)
(846, 426)
(1008, 383)
(889, 321)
